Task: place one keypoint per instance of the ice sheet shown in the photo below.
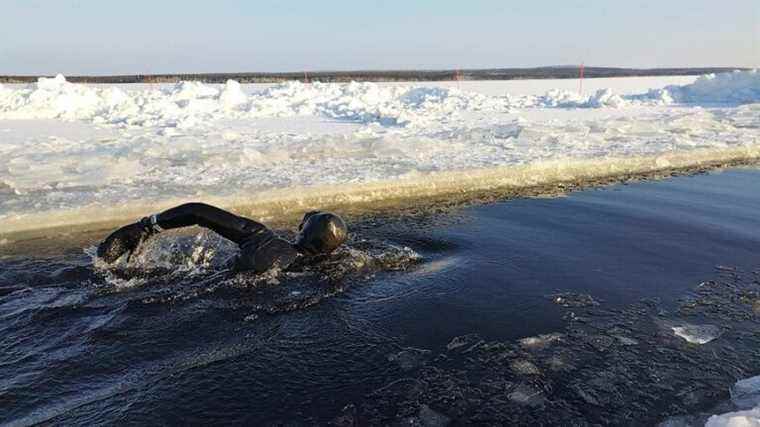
(70, 150)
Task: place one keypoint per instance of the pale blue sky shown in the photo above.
(106, 37)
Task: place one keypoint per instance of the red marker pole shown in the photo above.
(580, 83)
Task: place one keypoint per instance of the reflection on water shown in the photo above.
(175, 337)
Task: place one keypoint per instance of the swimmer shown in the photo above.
(260, 249)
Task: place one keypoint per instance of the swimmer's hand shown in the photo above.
(124, 240)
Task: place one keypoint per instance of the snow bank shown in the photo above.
(81, 151)
(188, 104)
(739, 87)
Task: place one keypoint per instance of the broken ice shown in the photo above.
(697, 334)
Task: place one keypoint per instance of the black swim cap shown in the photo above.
(321, 232)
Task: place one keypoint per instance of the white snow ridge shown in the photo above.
(187, 103)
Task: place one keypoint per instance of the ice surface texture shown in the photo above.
(70, 150)
(189, 103)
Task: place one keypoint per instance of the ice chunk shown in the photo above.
(56, 83)
(749, 418)
(697, 334)
(232, 96)
(540, 341)
(606, 98)
(745, 394)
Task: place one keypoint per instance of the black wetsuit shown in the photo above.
(260, 248)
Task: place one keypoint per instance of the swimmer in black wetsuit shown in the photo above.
(260, 248)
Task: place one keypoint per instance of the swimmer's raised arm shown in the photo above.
(228, 225)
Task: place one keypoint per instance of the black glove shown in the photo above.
(125, 240)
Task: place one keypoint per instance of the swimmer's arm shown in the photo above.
(260, 249)
(249, 234)
(228, 225)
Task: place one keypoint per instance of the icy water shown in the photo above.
(419, 320)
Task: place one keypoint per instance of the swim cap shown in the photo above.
(321, 232)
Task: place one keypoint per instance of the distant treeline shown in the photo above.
(387, 76)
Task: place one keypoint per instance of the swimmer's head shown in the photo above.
(320, 233)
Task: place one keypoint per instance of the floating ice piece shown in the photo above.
(745, 394)
(540, 341)
(749, 418)
(697, 334)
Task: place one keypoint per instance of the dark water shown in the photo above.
(80, 345)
